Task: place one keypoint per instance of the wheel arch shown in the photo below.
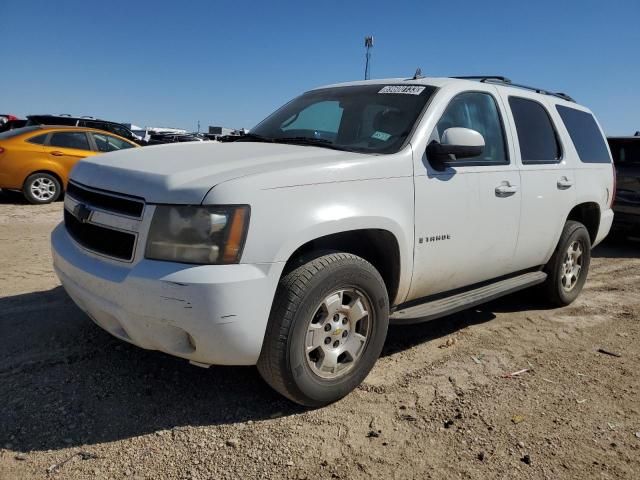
(49, 172)
(587, 213)
(380, 247)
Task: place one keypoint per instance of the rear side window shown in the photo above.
(107, 143)
(38, 140)
(77, 140)
(536, 135)
(585, 135)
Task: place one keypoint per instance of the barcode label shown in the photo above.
(403, 89)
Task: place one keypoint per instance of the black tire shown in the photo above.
(283, 361)
(52, 184)
(555, 293)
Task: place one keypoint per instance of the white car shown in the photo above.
(352, 206)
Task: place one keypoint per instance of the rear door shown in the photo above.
(547, 176)
(67, 147)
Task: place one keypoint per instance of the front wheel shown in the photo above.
(568, 267)
(326, 329)
(41, 188)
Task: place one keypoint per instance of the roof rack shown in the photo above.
(485, 78)
(506, 81)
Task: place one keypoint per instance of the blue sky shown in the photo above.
(232, 63)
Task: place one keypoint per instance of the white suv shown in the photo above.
(352, 206)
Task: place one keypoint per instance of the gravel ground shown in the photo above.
(76, 403)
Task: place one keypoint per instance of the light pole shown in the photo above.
(368, 43)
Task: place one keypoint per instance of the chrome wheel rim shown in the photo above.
(338, 333)
(571, 266)
(43, 189)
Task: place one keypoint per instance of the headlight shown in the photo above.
(206, 235)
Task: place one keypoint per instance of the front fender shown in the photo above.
(284, 219)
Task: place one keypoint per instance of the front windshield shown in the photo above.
(364, 118)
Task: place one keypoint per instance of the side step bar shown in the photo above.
(441, 307)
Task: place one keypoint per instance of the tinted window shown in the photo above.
(625, 151)
(585, 135)
(39, 140)
(364, 118)
(536, 135)
(479, 112)
(107, 143)
(77, 140)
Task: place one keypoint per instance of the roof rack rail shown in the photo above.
(485, 78)
(506, 81)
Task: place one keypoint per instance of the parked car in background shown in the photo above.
(626, 156)
(37, 160)
(354, 205)
(88, 122)
(12, 124)
(162, 138)
(5, 117)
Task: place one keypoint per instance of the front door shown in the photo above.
(467, 213)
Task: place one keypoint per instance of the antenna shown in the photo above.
(368, 43)
(418, 74)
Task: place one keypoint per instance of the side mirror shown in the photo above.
(456, 143)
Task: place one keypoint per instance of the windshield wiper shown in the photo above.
(314, 142)
(252, 137)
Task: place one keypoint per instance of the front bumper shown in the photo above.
(209, 314)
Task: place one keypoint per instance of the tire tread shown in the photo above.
(289, 297)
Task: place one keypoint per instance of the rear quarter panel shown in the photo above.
(594, 181)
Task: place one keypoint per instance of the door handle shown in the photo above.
(564, 183)
(56, 153)
(506, 190)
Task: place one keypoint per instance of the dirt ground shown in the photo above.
(76, 403)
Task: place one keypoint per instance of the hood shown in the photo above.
(183, 173)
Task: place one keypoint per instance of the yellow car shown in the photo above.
(37, 160)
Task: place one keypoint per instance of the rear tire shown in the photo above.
(326, 330)
(41, 188)
(568, 267)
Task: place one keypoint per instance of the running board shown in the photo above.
(441, 307)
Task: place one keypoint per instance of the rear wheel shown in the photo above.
(41, 188)
(569, 265)
(326, 329)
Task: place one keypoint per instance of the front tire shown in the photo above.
(41, 188)
(326, 330)
(568, 267)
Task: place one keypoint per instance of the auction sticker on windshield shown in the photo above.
(404, 89)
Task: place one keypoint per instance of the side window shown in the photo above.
(585, 135)
(77, 140)
(107, 143)
(323, 117)
(38, 140)
(477, 111)
(536, 135)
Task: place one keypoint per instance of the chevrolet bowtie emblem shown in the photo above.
(82, 212)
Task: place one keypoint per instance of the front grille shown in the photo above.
(125, 206)
(102, 240)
